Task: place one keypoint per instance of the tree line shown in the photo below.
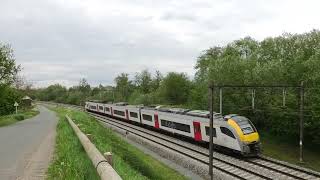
(12, 86)
(145, 88)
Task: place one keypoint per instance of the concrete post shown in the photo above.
(108, 156)
(89, 136)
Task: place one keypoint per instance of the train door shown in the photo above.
(97, 107)
(156, 121)
(127, 114)
(140, 118)
(197, 131)
(111, 111)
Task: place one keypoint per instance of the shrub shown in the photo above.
(19, 117)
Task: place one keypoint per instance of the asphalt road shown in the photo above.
(26, 147)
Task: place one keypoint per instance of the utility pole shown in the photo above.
(301, 120)
(220, 93)
(211, 89)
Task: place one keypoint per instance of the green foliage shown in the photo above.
(175, 88)
(123, 87)
(71, 160)
(8, 96)
(53, 92)
(19, 117)
(284, 60)
(8, 67)
(143, 81)
(8, 73)
(286, 149)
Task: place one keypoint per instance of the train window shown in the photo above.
(107, 109)
(101, 108)
(93, 107)
(175, 125)
(245, 124)
(214, 133)
(227, 132)
(133, 114)
(147, 117)
(120, 113)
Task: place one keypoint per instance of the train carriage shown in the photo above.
(92, 106)
(119, 110)
(100, 108)
(108, 109)
(149, 116)
(134, 113)
(173, 120)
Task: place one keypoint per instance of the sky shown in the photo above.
(62, 41)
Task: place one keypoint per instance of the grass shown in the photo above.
(70, 159)
(283, 149)
(129, 162)
(22, 115)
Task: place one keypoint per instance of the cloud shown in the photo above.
(63, 41)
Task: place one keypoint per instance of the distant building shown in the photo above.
(26, 101)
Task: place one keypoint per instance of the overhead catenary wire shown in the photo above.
(300, 94)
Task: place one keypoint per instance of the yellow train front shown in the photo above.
(247, 135)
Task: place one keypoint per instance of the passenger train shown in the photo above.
(232, 132)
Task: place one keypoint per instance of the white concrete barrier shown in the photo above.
(104, 169)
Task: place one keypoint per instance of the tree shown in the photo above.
(8, 73)
(54, 92)
(123, 86)
(143, 81)
(175, 88)
(84, 86)
(8, 96)
(284, 60)
(155, 84)
(8, 67)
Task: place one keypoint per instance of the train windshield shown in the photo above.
(245, 124)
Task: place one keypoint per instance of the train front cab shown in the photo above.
(247, 134)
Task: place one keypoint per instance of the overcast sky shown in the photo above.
(59, 41)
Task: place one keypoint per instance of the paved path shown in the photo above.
(26, 147)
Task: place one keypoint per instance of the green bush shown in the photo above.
(19, 117)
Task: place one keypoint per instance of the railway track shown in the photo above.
(260, 167)
(236, 171)
(254, 168)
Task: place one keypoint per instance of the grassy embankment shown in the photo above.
(70, 160)
(287, 150)
(22, 115)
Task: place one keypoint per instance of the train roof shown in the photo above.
(135, 106)
(182, 111)
(99, 101)
(121, 104)
(173, 110)
(202, 113)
